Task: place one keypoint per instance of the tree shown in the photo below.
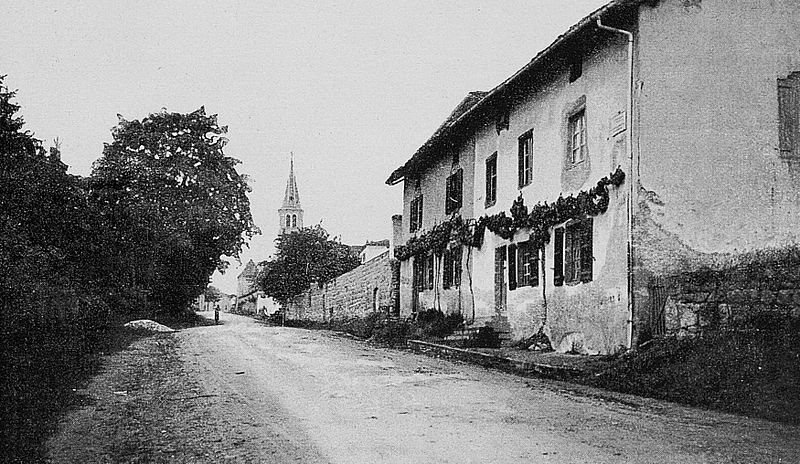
(304, 257)
(174, 205)
(212, 294)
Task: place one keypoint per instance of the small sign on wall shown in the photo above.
(618, 123)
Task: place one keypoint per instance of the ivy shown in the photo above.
(539, 219)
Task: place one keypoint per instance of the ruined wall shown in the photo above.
(712, 179)
(369, 287)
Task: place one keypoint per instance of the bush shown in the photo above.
(433, 323)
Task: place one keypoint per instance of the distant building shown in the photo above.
(373, 249)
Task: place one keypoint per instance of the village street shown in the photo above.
(244, 392)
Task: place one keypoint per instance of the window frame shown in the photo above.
(578, 254)
(415, 214)
(451, 267)
(527, 265)
(525, 160)
(454, 191)
(573, 120)
(491, 181)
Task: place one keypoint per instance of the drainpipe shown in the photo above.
(632, 181)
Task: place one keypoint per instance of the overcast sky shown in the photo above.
(352, 88)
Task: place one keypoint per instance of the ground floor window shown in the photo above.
(573, 256)
(451, 273)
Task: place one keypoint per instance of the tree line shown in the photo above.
(141, 235)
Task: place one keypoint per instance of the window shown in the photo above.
(527, 265)
(575, 66)
(573, 256)
(288, 221)
(503, 117)
(429, 271)
(523, 265)
(789, 116)
(491, 180)
(451, 274)
(578, 149)
(415, 216)
(453, 192)
(525, 159)
(294, 220)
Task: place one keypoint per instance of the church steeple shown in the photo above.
(290, 214)
(292, 196)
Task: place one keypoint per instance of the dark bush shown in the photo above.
(433, 323)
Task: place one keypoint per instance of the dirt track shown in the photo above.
(242, 392)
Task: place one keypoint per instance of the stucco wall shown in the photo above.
(712, 180)
(598, 309)
(433, 188)
(350, 295)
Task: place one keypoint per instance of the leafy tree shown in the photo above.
(173, 204)
(213, 294)
(304, 257)
(41, 228)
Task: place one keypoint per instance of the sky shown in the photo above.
(351, 88)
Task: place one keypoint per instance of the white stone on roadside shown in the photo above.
(147, 324)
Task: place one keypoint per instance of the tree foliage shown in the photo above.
(304, 257)
(172, 204)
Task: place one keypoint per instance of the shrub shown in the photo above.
(433, 323)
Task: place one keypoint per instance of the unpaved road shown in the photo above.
(243, 392)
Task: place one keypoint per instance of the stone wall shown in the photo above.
(371, 286)
(728, 297)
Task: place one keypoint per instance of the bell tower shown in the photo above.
(290, 214)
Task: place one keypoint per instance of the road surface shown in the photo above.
(244, 392)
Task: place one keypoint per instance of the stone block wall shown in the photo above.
(729, 297)
(372, 285)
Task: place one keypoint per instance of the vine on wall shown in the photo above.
(540, 219)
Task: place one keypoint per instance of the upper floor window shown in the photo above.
(491, 180)
(415, 215)
(575, 66)
(525, 159)
(789, 116)
(578, 149)
(453, 191)
(573, 256)
(503, 118)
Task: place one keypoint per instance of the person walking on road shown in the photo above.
(216, 314)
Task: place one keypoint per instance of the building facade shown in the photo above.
(650, 139)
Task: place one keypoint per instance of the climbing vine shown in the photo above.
(540, 219)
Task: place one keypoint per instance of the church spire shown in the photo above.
(290, 214)
(292, 196)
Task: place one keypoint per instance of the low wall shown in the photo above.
(371, 286)
(727, 298)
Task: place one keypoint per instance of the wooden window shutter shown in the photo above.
(534, 266)
(512, 267)
(412, 217)
(456, 253)
(430, 265)
(789, 116)
(447, 274)
(558, 257)
(419, 213)
(459, 187)
(587, 256)
(521, 164)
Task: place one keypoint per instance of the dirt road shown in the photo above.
(242, 392)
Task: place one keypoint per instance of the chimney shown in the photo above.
(397, 233)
